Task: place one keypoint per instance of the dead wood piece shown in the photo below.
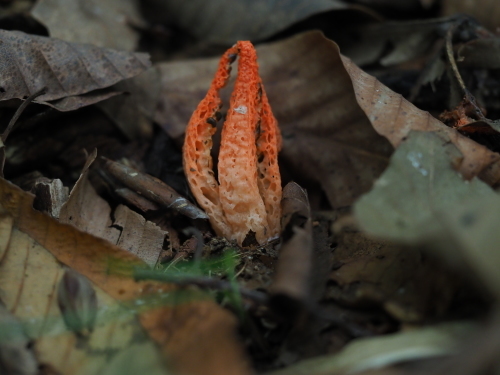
(152, 189)
(50, 196)
(136, 200)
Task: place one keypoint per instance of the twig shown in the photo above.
(19, 111)
(202, 282)
(451, 58)
(152, 188)
(192, 231)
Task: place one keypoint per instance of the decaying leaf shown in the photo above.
(406, 202)
(408, 285)
(185, 333)
(372, 353)
(86, 210)
(480, 53)
(50, 196)
(470, 237)
(65, 69)
(78, 302)
(133, 112)
(294, 267)
(29, 276)
(198, 17)
(326, 136)
(102, 23)
(16, 357)
(394, 117)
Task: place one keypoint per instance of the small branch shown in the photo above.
(202, 282)
(152, 188)
(19, 111)
(468, 97)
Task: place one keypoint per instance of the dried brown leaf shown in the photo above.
(124, 227)
(33, 248)
(65, 69)
(102, 23)
(134, 111)
(293, 270)
(394, 117)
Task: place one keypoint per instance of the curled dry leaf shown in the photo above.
(33, 243)
(65, 69)
(327, 138)
(231, 17)
(102, 23)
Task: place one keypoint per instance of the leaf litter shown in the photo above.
(387, 231)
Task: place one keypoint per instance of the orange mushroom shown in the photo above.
(246, 199)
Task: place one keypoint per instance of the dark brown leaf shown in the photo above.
(134, 111)
(291, 287)
(32, 62)
(226, 21)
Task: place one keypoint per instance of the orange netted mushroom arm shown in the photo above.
(247, 198)
(198, 164)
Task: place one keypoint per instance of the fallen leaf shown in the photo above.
(390, 43)
(374, 352)
(86, 210)
(198, 17)
(65, 69)
(485, 11)
(394, 117)
(183, 332)
(420, 182)
(404, 282)
(290, 286)
(134, 111)
(480, 53)
(29, 276)
(101, 23)
(16, 357)
(326, 136)
(470, 237)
